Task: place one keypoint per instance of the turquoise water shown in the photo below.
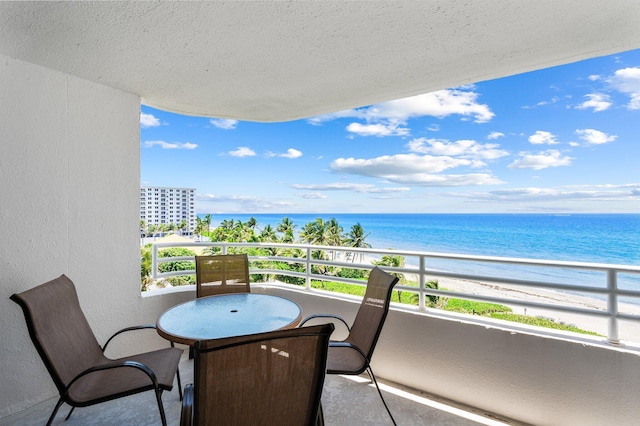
(598, 238)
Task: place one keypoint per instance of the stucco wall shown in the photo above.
(69, 204)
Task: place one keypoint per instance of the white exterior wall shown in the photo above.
(69, 204)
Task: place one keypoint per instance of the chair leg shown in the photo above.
(160, 406)
(69, 415)
(178, 372)
(375, 382)
(55, 410)
(179, 383)
(320, 418)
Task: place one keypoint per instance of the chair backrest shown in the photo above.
(273, 378)
(225, 273)
(370, 318)
(59, 330)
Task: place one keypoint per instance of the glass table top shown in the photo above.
(227, 315)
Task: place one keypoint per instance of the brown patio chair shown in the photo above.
(352, 356)
(82, 373)
(272, 378)
(224, 273)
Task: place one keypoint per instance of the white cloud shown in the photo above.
(495, 135)
(398, 164)
(594, 77)
(148, 120)
(387, 119)
(461, 148)
(313, 196)
(627, 81)
(246, 203)
(597, 101)
(564, 193)
(168, 145)
(595, 137)
(356, 187)
(412, 169)
(541, 137)
(437, 104)
(553, 100)
(242, 151)
(291, 153)
(438, 180)
(224, 123)
(380, 130)
(541, 160)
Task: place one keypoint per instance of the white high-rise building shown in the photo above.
(160, 205)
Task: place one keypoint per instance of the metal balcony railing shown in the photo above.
(598, 280)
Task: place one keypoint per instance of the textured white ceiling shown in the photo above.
(278, 61)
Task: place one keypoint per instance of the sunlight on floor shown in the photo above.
(430, 403)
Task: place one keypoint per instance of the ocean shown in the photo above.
(596, 238)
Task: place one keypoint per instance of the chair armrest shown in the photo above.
(116, 364)
(135, 327)
(333, 344)
(325, 316)
(186, 415)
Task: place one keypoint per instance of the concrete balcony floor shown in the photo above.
(346, 401)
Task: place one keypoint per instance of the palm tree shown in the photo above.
(182, 226)
(287, 227)
(207, 223)
(313, 232)
(394, 261)
(143, 230)
(198, 229)
(227, 224)
(268, 235)
(356, 238)
(332, 235)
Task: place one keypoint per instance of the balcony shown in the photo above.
(440, 367)
(514, 371)
(71, 177)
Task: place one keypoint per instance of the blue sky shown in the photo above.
(563, 139)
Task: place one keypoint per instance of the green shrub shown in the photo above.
(180, 280)
(354, 289)
(540, 322)
(353, 273)
(473, 307)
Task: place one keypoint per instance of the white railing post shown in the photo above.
(612, 307)
(308, 269)
(154, 261)
(422, 305)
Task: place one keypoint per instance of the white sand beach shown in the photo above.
(628, 330)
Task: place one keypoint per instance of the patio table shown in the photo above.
(227, 315)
